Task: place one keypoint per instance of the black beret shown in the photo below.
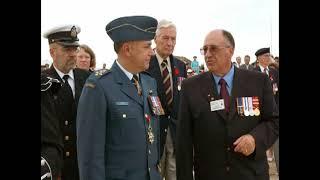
(262, 51)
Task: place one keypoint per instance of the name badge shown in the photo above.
(122, 103)
(217, 105)
(155, 104)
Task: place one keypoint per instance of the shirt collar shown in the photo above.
(160, 59)
(127, 73)
(228, 77)
(61, 74)
(262, 68)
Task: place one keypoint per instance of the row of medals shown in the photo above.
(248, 106)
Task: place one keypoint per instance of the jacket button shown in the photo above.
(149, 169)
(66, 123)
(165, 130)
(228, 149)
(149, 151)
(66, 138)
(227, 168)
(67, 154)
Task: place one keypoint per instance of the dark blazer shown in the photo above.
(274, 79)
(112, 128)
(51, 138)
(244, 66)
(66, 114)
(211, 134)
(171, 115)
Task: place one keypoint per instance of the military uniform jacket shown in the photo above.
(51, 138)
(112, 128)
(66, 114)
(211, 134)
(178, 69)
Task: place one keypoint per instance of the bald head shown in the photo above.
(218, 49)
(227, 36)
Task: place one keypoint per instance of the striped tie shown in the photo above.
(135, 81)
(166, 82)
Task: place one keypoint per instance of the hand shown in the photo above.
(245, 144)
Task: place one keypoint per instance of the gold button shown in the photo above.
(66, 123)
(67, 154)
(66, 138)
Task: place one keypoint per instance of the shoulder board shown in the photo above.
(94, 77)
(101, 72)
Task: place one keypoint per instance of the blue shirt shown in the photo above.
(195, 66)
(228, 78)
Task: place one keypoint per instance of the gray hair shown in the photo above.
(164, 24)
(228, 36)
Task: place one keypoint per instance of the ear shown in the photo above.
(231, 51)
(126, 49)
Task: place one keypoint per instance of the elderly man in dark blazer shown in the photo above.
(264, 57)
(118, 125)
(227, 118)
(169, 86)
(63, 42)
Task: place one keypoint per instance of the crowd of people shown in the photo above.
(153, 117)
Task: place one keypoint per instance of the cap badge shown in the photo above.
(73, 32)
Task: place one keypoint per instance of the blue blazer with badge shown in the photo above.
(112, 128)
(178, 69)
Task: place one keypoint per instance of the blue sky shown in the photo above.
(253, 23)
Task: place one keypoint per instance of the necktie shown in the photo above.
(135, 81)
(224, 94)
(166, 82)
(67, 85)
(266, 71)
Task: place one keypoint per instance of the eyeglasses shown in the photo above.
(213, 49)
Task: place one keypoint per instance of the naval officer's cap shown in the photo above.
(262, 51)
(132, 28)
(66, 35)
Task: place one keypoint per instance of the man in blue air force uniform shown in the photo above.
(117, 129)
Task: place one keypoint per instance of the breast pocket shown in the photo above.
(122, 110)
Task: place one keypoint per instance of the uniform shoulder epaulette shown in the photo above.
(91, 81)
(101, 72)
